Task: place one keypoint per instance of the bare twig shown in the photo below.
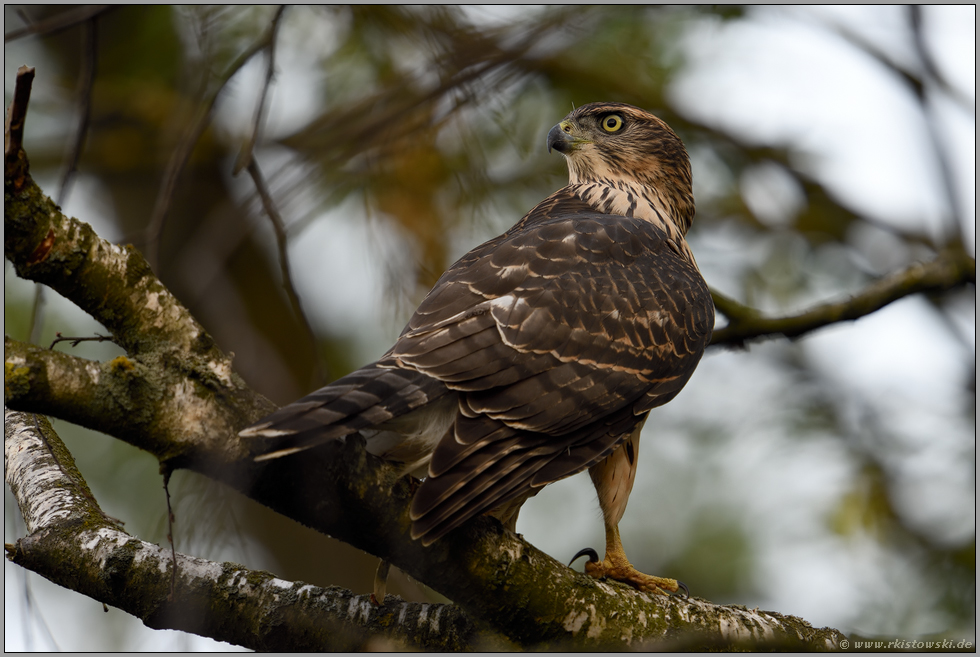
(246, 160)
(170, 533)
(919, 84)
(181, 154)
(246, 154)
(13, 129)
(57, 23)
(281, 243)
(90, 53)
(75, 341)
(912, 79)
(929, 117)
(929, 62)
(951, 269)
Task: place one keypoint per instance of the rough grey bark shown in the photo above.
(71, 542)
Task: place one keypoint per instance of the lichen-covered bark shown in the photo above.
(494, 575)
(73, 544)
(172, 405)
(175, 385)
(112, 283)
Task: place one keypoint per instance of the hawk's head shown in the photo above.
(619, 145)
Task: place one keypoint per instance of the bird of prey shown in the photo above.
(540, 353)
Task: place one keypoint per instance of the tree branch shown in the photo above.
(57, 23)
(182, 153)
(953, 268)
(14, 158)
(112, 283)
(72, 543)
(279, 227)
(247, 153)
(492, 574)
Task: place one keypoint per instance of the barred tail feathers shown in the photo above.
(363, 399)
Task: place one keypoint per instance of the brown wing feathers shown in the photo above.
(578, 344)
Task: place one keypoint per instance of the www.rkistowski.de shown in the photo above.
(900, 644)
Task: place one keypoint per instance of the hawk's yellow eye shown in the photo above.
(612, 123)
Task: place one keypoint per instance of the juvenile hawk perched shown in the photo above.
(540, 353)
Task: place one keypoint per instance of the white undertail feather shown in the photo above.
(410, 439)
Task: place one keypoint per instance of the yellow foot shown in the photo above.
(620, 569)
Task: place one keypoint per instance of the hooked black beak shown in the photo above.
(558, 140)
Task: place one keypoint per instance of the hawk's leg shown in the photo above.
(380, 583)
(613, 479)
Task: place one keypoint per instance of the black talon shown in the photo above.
(687, 591)
(593, 556)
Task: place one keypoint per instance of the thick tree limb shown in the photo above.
(112, 283)
(953, 268)
(170, 407)
(72, 543)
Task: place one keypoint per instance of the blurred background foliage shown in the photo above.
(832, 477)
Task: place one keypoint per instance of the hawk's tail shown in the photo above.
(362, 399)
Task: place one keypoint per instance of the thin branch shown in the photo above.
(931, 67)
(912, 79)
(90, 52)
(182, 153)
(248, 148)
(952, 268)
(75, 341)
(15, 161)
(172, 595)
(35, 325)
(282, 245)
(929, 117)
(57, 23)
(918, 85)
(246, 160)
